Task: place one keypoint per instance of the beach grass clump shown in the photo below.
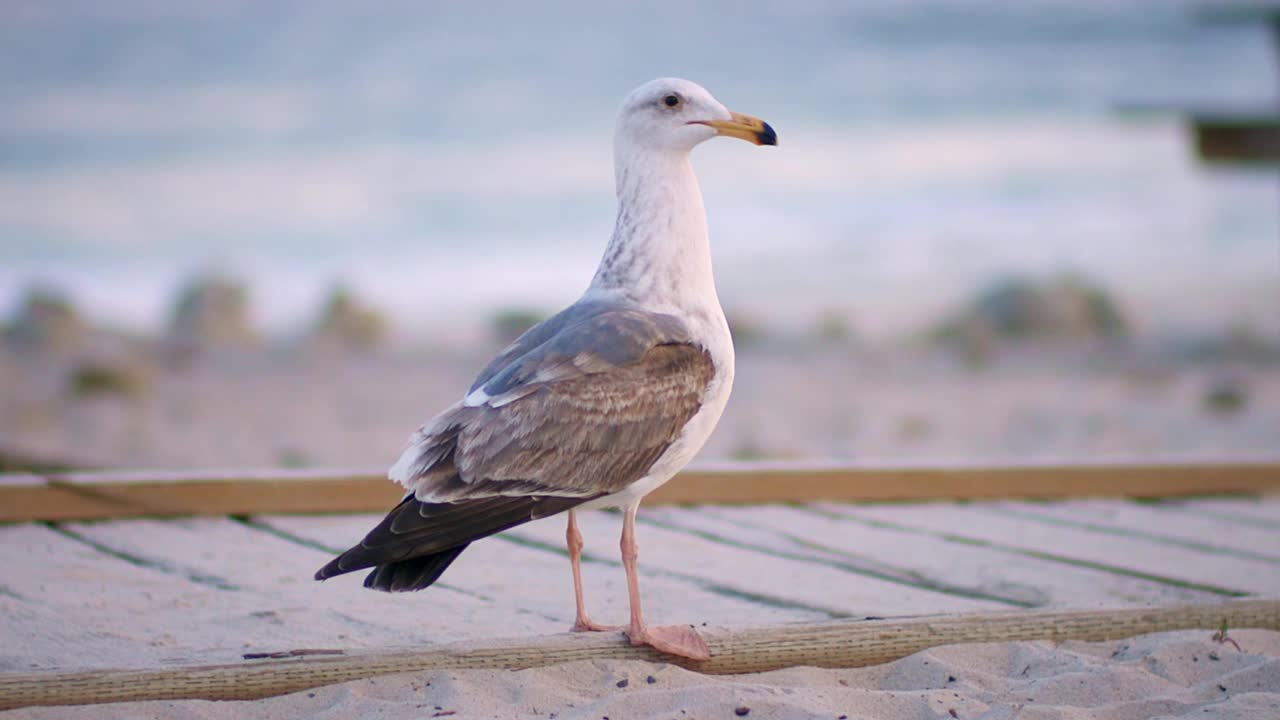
(833, 327)
(1225, 396)
(46, 320)
(1063, 307)
(347, 322)
(93, 379)
(1021, 310)
(212, 312)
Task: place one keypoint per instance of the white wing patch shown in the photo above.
(476, 398)
(510, 397)
(402, 471)
(417, 454)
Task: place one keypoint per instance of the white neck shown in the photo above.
(660, 255)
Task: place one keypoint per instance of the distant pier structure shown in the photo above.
(1246, 135)
(1249, 136)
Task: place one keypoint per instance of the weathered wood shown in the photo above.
(832, 644)
(529, 578)
(924, 559)
(1162, 523)
(68, 604)
(192, 591)
(276, 600)
(201, 590)
(88, 496)
(25, 497)
(771, 578)
(1129, 555)
(758, 483)
(84, 496)
(1258, 512)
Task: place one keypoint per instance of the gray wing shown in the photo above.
(593, 326)
(580, 406)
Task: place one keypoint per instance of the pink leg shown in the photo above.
(679, 640)
(573, 539)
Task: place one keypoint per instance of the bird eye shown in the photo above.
(671, 100)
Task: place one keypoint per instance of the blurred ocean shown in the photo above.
(449, 159)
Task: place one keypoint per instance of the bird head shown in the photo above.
(675, 114)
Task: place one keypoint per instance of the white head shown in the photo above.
(675, 114)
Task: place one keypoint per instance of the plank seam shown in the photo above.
(587, 557)
(771, 601)
(267, 595)
(1133, 533)
(264, 526)
(1027, 552)
(919, 582)
(1249, 520)
(199, 578)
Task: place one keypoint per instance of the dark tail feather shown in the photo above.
(416, 541)
(412, 574)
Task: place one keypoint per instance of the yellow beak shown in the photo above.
(744, 127)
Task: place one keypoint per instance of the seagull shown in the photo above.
(601, 403)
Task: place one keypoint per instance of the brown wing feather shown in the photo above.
(591, 435)
(482, 470)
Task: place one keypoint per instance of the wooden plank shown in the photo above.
(87, 496)
(531, 579)
(750, 573)
(830, 644)
(82, 496)
(1137, 556)
(68, 604)
(273, 577)
(1259, 512)
(1162, 523)
(25, 497)
(928, 559)
(764, 483)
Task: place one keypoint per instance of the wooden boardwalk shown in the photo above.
(168, 592)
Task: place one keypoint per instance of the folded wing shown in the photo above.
(578, 408)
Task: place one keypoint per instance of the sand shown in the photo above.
(276, 409)
(1165, 675)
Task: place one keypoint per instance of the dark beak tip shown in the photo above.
(768, 136)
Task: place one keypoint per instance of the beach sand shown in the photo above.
(1165, 675)
(272, 410)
